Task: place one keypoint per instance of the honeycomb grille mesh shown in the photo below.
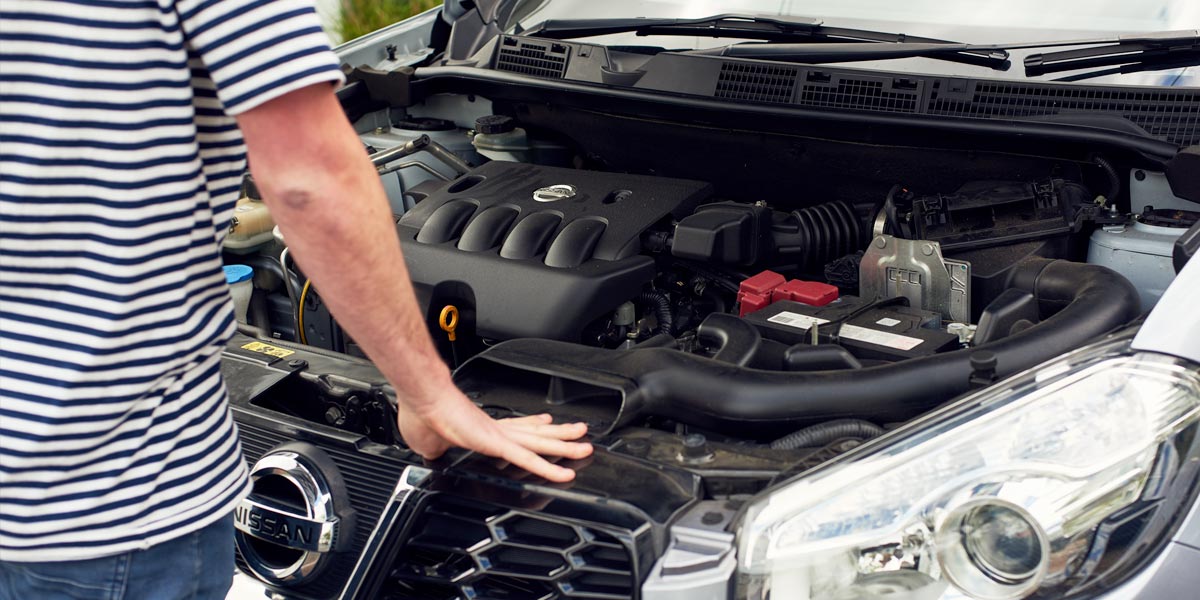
(756, 82)
(459, 548)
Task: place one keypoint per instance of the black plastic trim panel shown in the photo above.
(1169, 114)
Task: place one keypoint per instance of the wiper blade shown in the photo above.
(1165, 50)
(770, 29)
(985, 56)
(1142, 52)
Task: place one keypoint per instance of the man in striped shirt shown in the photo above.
(121, 150)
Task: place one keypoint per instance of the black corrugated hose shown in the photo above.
(824, 433)
(661, 304)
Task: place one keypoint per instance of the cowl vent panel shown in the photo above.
(536, 58)
(756, 82)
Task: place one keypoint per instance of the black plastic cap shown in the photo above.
(494, 124)
(1183, 174)
(1186, 247)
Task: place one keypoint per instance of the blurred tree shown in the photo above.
(360, 17)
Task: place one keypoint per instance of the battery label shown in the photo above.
(268, 349)
(797, 320)
(879, 338)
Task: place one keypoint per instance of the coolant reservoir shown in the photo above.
(498, 138)
(241, 286)
(1142, 250)
(250, 228)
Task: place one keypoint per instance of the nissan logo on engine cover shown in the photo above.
(552, 193)
(293, 521)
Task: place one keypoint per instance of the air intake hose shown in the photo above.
(814, 236)
(1086, 301)
(1078, 302)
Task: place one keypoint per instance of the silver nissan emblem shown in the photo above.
(553, 193)
(289, 533)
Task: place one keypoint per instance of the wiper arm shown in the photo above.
(1166, 50)
(728, 25)
(772, 29)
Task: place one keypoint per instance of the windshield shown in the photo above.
(969, 21)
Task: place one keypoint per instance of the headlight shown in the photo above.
(999, 496)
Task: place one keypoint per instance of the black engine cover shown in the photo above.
(537, 251)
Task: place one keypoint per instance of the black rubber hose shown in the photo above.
(819, 435)
(661, 304)
(736, 340)
(1092, 300)
(814, 236)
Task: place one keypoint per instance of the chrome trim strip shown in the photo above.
(411, 479)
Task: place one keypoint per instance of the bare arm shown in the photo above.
(328, 201)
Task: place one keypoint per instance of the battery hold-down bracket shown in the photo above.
(915, 269)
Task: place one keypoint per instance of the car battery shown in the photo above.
(886, 332)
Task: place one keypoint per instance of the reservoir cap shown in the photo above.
(237, 273)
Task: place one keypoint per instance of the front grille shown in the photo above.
(460, 548)
(756, 82)
(370, 481)
(539, 59)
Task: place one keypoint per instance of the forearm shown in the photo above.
(331, 208)
(327, 199)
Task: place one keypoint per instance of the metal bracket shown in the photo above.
(915, 269)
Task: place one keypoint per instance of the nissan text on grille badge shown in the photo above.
(551, 193)
(289, 527)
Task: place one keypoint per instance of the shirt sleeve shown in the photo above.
(257, 50)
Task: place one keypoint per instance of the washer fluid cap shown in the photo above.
(237, 273)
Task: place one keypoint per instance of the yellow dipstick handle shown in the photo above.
(448, 320)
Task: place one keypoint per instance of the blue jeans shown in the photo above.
(197, 566)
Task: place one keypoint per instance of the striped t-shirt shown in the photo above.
(119, 168)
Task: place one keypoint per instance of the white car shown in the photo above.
(859, 299)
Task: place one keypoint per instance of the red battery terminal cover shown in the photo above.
(813, 293)
(759, 291)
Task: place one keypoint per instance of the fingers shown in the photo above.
(565, 431)
(518, 440)
(541, 419)
(526, 459)
(550, 446)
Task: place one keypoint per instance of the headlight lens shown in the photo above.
(1002, 542)
(997, 496)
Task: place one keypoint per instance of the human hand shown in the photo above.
(431, 428)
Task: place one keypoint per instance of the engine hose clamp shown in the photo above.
(448, 321)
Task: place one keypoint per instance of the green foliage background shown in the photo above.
(360, 17)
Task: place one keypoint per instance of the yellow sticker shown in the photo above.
(262, 348)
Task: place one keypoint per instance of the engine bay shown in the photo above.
(729, 314)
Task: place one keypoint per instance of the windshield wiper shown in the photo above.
(987, 56)
(1129, 54)
(788, 30)
(1144, 52)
